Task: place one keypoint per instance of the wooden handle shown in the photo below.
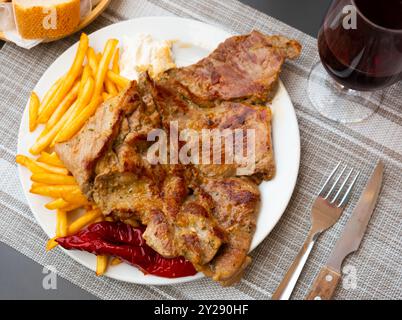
(324, 285)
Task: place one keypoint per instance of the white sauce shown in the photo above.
(144, 53)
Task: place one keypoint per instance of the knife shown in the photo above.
(328, 279)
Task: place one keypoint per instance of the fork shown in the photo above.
(326, 211)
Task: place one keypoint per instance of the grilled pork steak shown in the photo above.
(204, 212)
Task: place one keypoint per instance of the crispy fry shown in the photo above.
(85, 76)
(82, 102)
(116, 262)
(111, 88)
(38, 185)
(51, 159)
(72, 207)
(53, 179)
(118, 79)
(107, 56)
(52, 169)
(44, 141)
(38, 167)
(34, 104)
(50, 94)
(75, 126)
(57, 204)
(53, 191)
(47, 138)
(65, 205)
(106, 96)
(64, 106)
(29, 164)
(81, 222)
(101, 265)
(75, 197)
(61, 225)
(68, 82)
(51, 244)
(100, 219)
(116, 62)
(92, 60)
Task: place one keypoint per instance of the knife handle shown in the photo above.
(324, 285)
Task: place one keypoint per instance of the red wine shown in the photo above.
(385, 13)
(370, 56)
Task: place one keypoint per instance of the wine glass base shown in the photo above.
(338, 103)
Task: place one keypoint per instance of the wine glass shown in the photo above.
(360, 46)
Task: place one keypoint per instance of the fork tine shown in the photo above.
(335, 183)
(342, 187)
(329, 179)
(348, 192)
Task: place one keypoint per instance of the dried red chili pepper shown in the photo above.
(121, 240)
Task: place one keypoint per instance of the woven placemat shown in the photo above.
(377, 264)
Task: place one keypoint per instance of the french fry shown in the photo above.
(64, 205)
(39, 167)
(68, 82)
(82, 102)
(92, 60)
(61, 225)
(75, 197)
(50, 94)
(106, 96)
(63, 107)
(119, 80)
(34, 104)
(116, 262)
(57, 204)
(72, 128)
(29, 164)
(53, 179)
(38, 185)
(83, 221)
(100, 219)
(52, 169)
(51, 159)
(48, 138)
(72, 207)
(101, 265)
(52, 191)
(107, 56)
(116, 62)
(51, 244)
(85, 76)
(111, 87)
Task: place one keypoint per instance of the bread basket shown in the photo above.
(96, 11)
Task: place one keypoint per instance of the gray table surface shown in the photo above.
(21, 278)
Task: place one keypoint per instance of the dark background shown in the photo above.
(21, 278)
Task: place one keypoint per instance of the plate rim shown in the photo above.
(158, 281)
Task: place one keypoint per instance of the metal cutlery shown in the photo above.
(349, 242)
(326, 211)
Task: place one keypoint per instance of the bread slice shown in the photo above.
(46, 19)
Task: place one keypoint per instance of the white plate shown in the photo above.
(205, 38)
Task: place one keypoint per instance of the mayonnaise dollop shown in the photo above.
(144, 53)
